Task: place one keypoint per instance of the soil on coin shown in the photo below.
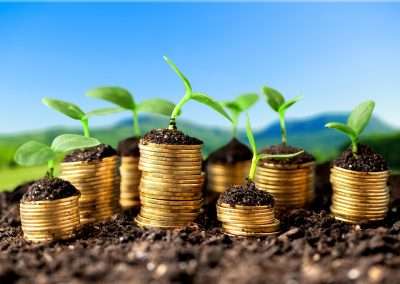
(129, 147)
(305, 157)
(91, 154)
(231, 153)
(170, 136)
(246, 194)
(47, 189)
(311, 247)
(366, 160)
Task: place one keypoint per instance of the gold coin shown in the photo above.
(146, 225)
(246, 207)
(168, 218)
(258, 215)
(196, 202)
(254, 228)
(169, 197)
(358, 173)
(161, 210)
(158, 223)
(179, 207)
(369, 201)
(353, 220)
(247, 234)
(237, 210)
(359, 214)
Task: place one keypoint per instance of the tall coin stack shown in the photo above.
(171, 185)
(292, 186)
(50, 220)
(222, 176)
(130, 180)
(98, 183)
(247, 221)
(359, 196)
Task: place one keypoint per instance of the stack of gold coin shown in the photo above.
(98, 182)
(244, 220)
(292, 186)
(50, 220)
(130, 180)
(221, 176)
(171, 185)
(359, 196)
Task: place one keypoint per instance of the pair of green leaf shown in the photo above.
(356, 123)
(278, 103)
(33, 153)
(190, 95)
(257, 157)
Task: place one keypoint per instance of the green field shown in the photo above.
(10, 178)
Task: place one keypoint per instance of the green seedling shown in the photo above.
(75, 112)
(190, 95)
(126, 102)
(33, 153)
(356, 123)
(278, 103)
(257, 157)
(239, 105)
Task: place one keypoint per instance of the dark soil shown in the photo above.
(46, 189)
(311, 248)
(246, 195)
(231, 153)
(91, 154)
(170, 136)
(285, 149)
(366, 160)
(129, 147)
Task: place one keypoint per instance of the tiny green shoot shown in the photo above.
(34, 153)
(278, 103)
(257, 157)
(191, 95)
(239, 105)
(75, 112)
(125, 102)
(356, 123)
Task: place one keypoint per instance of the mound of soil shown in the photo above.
(129, 147)
(286, 149)
(366, 160)
(312, 247)
(246, 195)
(170, 136)
(91, 154)
(231, 153)
(49, 189)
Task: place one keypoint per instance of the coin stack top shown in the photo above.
(49, 220)
(171, 185)
(359, 196)
(98, 182)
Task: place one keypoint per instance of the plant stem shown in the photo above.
(283, 127)
(50, 168)
(234, 127)
(354, 146)
(136, 127)
(85, 124)
(254, 162)
(177, 109)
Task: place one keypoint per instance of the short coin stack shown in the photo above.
(292, 186)
(50, 220)
(98, 183)
(171, 185)
(130, 180)
(222, 176)
(359, 196)
(247, 221)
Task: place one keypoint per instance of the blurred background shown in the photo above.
(334, 54)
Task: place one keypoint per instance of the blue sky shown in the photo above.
(334, 54)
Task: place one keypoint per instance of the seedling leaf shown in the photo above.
(185, 80)
(104, 111)
(274, 98)
(115, 95)
(156, 105)
(246, 101)
(69, 142)
(342, 128)
(360, 116)
(69, 109)
(287, 104)
(33, 153)
(250, 136)
(204, 99)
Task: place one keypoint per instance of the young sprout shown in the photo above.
(239, 105)
(257, 157)
(33, 153)
(356, 123)
(73, 111)
(278, 103)
(190, 95)
(126, 102)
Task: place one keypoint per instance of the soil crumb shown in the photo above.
(129, 147)
(170, 136)
(246, 195)
(305, 157)
(91, 154)
(231, 153)
(49, 189)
